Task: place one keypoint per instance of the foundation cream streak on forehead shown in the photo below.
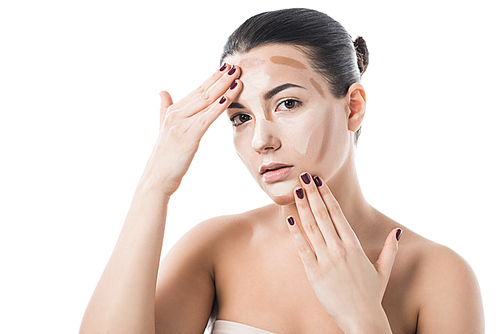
(317, 87)
(250, 63)
(288, 62)
(298, 65)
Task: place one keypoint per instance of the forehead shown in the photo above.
(267, 66)
(269, 55)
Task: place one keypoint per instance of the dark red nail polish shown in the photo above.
(305, 177)
(232, 70)
(398, 234)
(224, 66)
(300, 193)
(317, 181)
(290, 221)
(233, 85)
(222, 100)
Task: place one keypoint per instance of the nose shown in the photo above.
(265, 137)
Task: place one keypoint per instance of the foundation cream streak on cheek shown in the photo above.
(297, 137)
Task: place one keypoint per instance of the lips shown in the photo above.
(275, 171)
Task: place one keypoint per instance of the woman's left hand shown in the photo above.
(347, 284)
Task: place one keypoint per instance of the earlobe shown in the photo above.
(357, 106)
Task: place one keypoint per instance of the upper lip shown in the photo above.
(272, 166)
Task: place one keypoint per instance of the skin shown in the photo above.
(337, 269)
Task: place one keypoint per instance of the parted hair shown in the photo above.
(329, 48)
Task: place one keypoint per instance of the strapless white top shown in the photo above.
(229, 327)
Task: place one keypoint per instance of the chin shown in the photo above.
(281, 193)
(283, 200)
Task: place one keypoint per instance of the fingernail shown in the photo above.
(317, 181)
(222, 100)
(300, 193)
(398, 234)
(232, 70)
(305, 177)
(233, 85)
(224, 66)
(290, 221)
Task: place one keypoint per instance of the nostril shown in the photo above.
(265, 137)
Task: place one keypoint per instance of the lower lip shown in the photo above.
(276, 175)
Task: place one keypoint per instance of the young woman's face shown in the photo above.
(286, 121)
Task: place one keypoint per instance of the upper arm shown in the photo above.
(451, 299)
(185, 289)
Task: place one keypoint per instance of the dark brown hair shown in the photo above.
(330, 49)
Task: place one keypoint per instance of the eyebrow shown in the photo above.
(278, 89)
(269, 95)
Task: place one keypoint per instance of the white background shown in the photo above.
(79, 84)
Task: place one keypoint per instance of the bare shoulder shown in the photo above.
(219, 227)
(444, 287)
(186, 282)
(215, 233)
(435, 263)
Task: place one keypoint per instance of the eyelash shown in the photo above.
(238, 115)
(296, 104)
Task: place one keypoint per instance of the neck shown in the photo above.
(345, 187)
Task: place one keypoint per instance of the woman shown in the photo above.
(319, 260)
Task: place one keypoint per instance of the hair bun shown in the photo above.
(361, 53)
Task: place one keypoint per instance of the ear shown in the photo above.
(356, 100)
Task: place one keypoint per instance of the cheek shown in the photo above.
(308, 136)
(319, 140)
(329, 144)
(242, 144)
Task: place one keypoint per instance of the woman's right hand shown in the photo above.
(184, 123)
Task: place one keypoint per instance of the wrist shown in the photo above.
(152, 186)
(374, 322)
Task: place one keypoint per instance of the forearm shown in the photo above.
(123, 301)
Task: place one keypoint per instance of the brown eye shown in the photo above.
(288, 105)
(239, 119)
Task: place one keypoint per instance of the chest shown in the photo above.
(265, 286)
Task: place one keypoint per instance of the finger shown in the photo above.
(319, 210)
(306, 253)
(209, 115)
(166, 101)
(209, 95)
(309, 224)
(205, 86)
(388, 254)
(342, 226)
(208, 82)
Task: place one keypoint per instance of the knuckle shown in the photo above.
(302, 205)
(393, 248)
(302, 249)
(216, 76)
(335, 209)
(311, 227)
(339, 252)
(203, 121)
(171, 117)
(322, 214)
(205, 96)
(174, 130)
(351, 245)
(200, 90)
(203, 93)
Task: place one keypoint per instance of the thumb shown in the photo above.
(387, 255)
(166, 101)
